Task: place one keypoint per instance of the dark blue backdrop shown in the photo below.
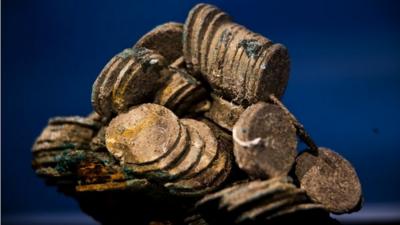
(344, 86)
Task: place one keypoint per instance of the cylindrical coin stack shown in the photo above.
(240, 65)
(62, 135)
(258, 202)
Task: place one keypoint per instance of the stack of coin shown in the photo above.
(62, 135)
(257, 201)
(187, 155)
(180, 92)
(240, 65)
(129, 78)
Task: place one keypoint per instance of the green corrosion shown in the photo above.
(69, 159)
(128, 172)
(251, 47)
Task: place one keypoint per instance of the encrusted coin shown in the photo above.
(143, 135)
(329, 179)
(264, 141)
(166, 39)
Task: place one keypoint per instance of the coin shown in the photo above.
(272, 205)
(210, 146)
(211, 31)
(206, 16)
(204, 182)
(99, 81)
(223, 113)
(258, 194)
(78, 120)
(264, 141)
(143, 135)
(138, 81)
(161, 169)
(273, 75)
(166, 39)
(63, 136)
(329, 179)
(189, 160)
(188, 33)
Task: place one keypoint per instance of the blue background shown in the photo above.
(344, 86)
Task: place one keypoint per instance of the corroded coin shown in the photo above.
(99, 81)
(188, 32)
(78, 120)
(103, 86)
(264, 141)
(211, 31)
(166, 39)
(329, 179)
(193, 156)
(224, 113)
(210, 146)
(249, 195)
(139, 79)
(279, 201)
(63, 136)
(161, 169)
(206, 181)
(180, 92)
(143, 135)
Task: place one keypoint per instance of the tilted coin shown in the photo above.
(180, 92)
(104, 83)
(329, 179)
(139, 79)
(166, 39)
(264, 141)
(224, 113)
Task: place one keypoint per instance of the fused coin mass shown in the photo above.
(187, 128)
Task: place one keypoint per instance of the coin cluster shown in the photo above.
(188, 128)
(269, 200)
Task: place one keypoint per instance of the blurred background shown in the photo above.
(344, 85)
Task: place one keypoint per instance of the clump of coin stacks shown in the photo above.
(188, 128)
